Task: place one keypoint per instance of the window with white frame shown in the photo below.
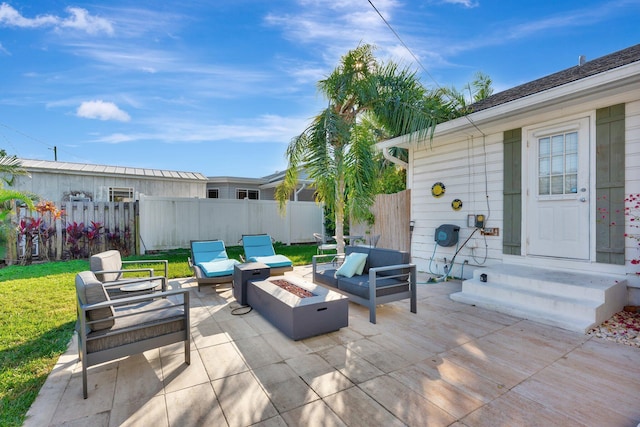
(558, 164)
(121, 194)
(247, 194)
(213, 193)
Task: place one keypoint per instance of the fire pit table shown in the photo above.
(316, 311)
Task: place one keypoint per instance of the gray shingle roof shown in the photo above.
(91, 169)
(589, 68)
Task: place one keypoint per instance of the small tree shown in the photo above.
(367, 98)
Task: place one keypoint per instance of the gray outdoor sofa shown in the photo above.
(388, 275)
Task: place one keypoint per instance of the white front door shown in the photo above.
(557, 197)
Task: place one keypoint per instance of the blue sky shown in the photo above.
(221, 87)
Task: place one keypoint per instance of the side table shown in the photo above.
(243, 273)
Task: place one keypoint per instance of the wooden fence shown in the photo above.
(85, 228)
(160, 223)
(392, 216)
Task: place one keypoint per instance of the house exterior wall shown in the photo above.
(458, 161)
(632, 177)
(60, 185)
(227, 190)
(459, 164)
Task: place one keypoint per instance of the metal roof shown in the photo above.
(91, 169)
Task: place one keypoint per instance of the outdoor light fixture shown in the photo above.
(412, 224)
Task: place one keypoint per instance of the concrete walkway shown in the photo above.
(449, 364)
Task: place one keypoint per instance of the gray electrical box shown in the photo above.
(447, 234)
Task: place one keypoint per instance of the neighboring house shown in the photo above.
(549, 165)
(226, 187)
(65, 181)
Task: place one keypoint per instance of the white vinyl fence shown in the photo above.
(170, 223)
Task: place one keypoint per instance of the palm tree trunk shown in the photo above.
(339, 209)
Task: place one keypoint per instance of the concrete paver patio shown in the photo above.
(449, 364)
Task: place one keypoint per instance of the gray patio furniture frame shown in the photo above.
(140, 323)
(381, 282)
(323, 245)
(275, 271)
(110, 269)
(200, 276)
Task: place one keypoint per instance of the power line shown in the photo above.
(49, 146)
(415, 58)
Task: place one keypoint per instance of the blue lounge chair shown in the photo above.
(210, 263)
(258, 248)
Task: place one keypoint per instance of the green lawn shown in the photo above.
(38, 314)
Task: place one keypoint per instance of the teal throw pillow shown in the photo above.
(363, 261)
(352, 264)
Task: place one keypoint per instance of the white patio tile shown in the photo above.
(243, 401)
(194, 406)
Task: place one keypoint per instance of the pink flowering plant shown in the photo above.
(41, 229)
(632, 211)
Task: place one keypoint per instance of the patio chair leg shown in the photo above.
(372, 314)
(84, 380)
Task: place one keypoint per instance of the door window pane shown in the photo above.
(544, 166)
(557, 144)
(571, 184)
(543, 186)
(571, 142)
(558, 164)
(557, 185)
(571, 161)
(544, 147)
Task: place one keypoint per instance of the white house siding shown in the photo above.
(55, 185)
(459, 163)
(632, 184)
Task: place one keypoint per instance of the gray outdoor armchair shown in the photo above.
(109, 329)
(110, 269)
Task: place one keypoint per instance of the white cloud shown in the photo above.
(267, 128)
(78, 19)
(465, 3)
(81, 20)
(102, 110)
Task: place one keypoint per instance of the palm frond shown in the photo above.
(8, 195)
(10, 167)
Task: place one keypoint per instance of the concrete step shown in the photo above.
(553, 282)
(573, 301)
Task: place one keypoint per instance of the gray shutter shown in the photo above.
(610, 167)
(512, 192)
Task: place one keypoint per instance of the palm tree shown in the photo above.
(366, 99)
(10, 167)
(458, 100)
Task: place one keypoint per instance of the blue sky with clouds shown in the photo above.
(220, 87)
